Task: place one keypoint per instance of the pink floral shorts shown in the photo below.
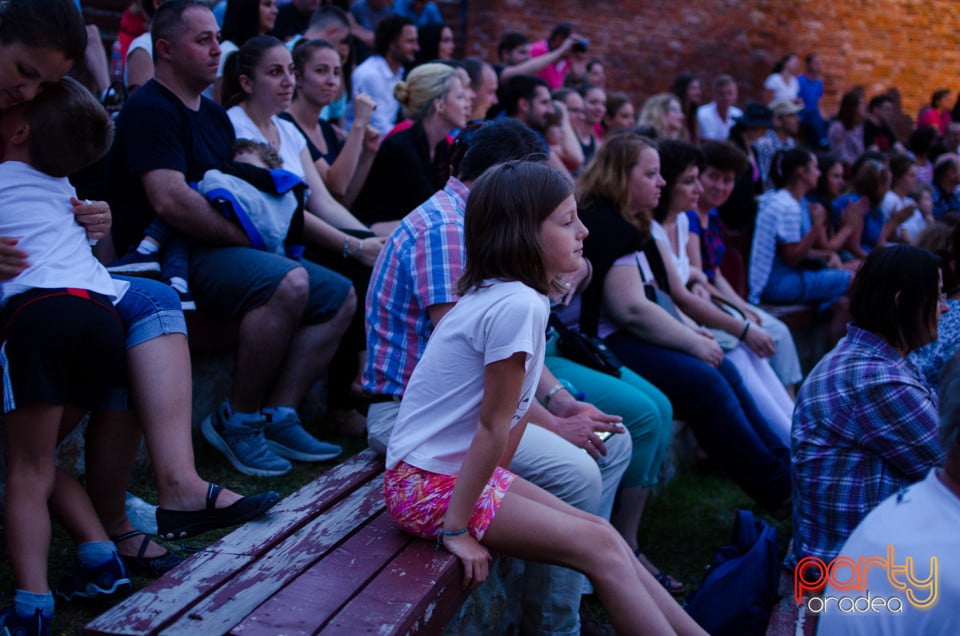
(418, 499)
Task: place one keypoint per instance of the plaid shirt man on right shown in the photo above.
(864, 426)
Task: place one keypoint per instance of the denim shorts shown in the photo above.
(228, 282)
(149, 310)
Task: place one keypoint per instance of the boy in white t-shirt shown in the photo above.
(62, 346)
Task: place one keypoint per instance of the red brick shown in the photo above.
(878, 44)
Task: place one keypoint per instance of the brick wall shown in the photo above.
(910, 44)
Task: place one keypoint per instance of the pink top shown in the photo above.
(930, 117)
(554, 73)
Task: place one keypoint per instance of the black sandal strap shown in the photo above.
(213, 491)
(144, 543)
(118, 538)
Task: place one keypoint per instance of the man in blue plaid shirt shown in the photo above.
(865, 422)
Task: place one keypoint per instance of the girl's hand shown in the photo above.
(703, 331)
(752, 316)
(760, 342)
(94, 216)
(371, 139)
(474, 557)
(371, 249)
(818, 215)
(708, 350)
(12, 260)
(700, 289)
(902, 214)
(363, 107)
(574, 280)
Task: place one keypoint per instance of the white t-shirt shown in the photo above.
(920, 523)
(712, 126)
(142, 41)
(292, 141)
(781, 89)
(913, 225)
(375, 78)
(440, 411)
(681, 261)
(35, 209)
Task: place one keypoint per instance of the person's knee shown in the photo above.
(292, 291)
(602, 553)
(25, 471)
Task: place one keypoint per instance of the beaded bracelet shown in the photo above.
(346, 246)
(441, 533)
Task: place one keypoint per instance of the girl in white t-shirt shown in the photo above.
(465, 407)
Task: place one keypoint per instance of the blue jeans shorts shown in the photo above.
(149, 310)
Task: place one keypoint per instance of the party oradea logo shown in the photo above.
(850, 593)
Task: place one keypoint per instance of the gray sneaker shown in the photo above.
(287, 438)
(243, 444)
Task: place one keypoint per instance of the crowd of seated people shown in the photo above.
(308, 176)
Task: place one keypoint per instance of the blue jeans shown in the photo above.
(788, 285)
(149, 310)
(723, 416)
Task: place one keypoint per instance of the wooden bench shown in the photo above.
(788, 618)
(327, 559)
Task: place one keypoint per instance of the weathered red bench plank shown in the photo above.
(228, 604)
(307, 603)
(171, 596)
(788, 618)
(419, 592)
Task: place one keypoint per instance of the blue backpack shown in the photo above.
(740, 587)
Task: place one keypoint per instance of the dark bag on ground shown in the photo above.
(582, 349)
(740, 587)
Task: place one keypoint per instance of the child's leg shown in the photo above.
(112, 441)
(532, 524)
(71, 505)
(175, 263)
(30, 453)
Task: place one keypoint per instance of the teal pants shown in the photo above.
(647, 413)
